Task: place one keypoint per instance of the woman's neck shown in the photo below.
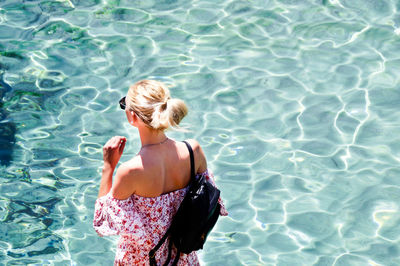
(150, 136)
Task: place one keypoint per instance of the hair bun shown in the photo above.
(151, 99)
(178, 110)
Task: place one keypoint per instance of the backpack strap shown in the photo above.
(169, 253)
(178, 255)
(152, 253)
(192, 175)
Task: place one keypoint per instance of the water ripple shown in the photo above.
(294, 102)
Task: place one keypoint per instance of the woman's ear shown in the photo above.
(134, 117)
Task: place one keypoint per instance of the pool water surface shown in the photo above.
(295, 103)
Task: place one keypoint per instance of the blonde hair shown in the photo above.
(150, 100)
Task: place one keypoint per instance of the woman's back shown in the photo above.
(159, 169)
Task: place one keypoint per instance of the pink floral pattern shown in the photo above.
(141, 222)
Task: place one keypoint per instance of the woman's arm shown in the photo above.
(106, 180)
(112, 152)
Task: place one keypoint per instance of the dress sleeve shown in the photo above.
(114, 217)
(210, 177)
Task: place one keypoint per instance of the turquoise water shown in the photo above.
(295, 103)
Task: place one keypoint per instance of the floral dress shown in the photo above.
(141, 222)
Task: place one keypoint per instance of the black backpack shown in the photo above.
(196, 216)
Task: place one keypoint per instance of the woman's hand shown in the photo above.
(113, 150)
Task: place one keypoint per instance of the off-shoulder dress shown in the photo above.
(141, 222)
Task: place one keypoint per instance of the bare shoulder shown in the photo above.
(126, 178)
(195, 145)
(199, 156)
(132, 167)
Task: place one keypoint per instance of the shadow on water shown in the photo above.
(7, 128)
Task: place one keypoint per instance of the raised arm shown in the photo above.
(112, 152)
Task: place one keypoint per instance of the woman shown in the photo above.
(147, 190)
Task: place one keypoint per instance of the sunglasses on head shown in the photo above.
(122, 103)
